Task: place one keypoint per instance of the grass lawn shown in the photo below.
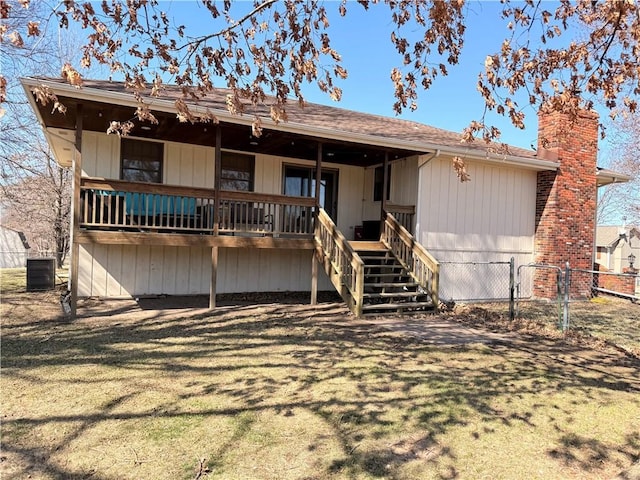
(287, 391)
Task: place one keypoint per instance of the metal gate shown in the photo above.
(540, 294)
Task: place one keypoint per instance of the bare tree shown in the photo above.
(34, 189)
(275, 47)
(622, 199)
(38, 201)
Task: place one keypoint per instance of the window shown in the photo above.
(378, 183)
(141, 161)
(237, 172)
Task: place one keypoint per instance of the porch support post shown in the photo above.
(385, 186)
(76, 215)
(318, 175)
(216, 180)
(314, 262)
(216, 217)
(214, 277)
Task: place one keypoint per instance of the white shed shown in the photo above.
(14, 248)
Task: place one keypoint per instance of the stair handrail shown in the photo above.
(343, 260)
(421, 265)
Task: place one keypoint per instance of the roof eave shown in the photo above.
(26, 84)
(167, 106)
(609, 177)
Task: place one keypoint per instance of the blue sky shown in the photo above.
(363, 40)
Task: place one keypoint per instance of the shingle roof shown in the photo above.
(607, 235)
(332, 118)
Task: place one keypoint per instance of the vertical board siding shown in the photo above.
(186, 271)
(114, 271)
(142, 269)
(496, 208)
(188, 165)
(489, 219)
(85, 270)
(128, 279)
(404, 181)
(350, 184)
(370, 209)
(170, 264)
(100, 155)
(156, 268)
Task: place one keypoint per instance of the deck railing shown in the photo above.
(343, 265)
(263, 213)
(120, 205)
(404, 214)
(422, 266)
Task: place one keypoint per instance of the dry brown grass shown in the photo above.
(286, 391)
(605, 322)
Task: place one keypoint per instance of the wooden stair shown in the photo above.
(388, 286)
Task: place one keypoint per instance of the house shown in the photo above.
(14, 248)
(196, 208)
(614, 244)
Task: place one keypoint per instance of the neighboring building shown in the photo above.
(181, 208)
(14, 248)
(614, 244)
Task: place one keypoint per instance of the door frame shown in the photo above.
(333, 172)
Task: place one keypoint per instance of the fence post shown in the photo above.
(565, 310)
(559, 295)
(512, 270)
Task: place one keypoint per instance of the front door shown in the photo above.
(300, 181)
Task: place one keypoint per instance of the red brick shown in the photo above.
(566, 199)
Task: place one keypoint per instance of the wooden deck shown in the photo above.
(119, 212)
(192, 240)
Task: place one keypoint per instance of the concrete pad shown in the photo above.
(437, 330)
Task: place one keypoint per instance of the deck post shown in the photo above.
(214, 278)
(75, 215)
(385, 186)
(314, 278)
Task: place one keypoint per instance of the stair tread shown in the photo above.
(391, 284)
(367, 245)
(396, 306)
(392, 294)
(394, 274)
(393, 265)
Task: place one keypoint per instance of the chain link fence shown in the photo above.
(604, 305)
(601, 304)
(476, 281)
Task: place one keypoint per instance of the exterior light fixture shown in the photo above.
(631, 258)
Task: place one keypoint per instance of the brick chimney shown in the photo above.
(566, 199)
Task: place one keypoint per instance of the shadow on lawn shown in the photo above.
(314, 349)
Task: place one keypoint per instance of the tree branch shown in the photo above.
(200, 40)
